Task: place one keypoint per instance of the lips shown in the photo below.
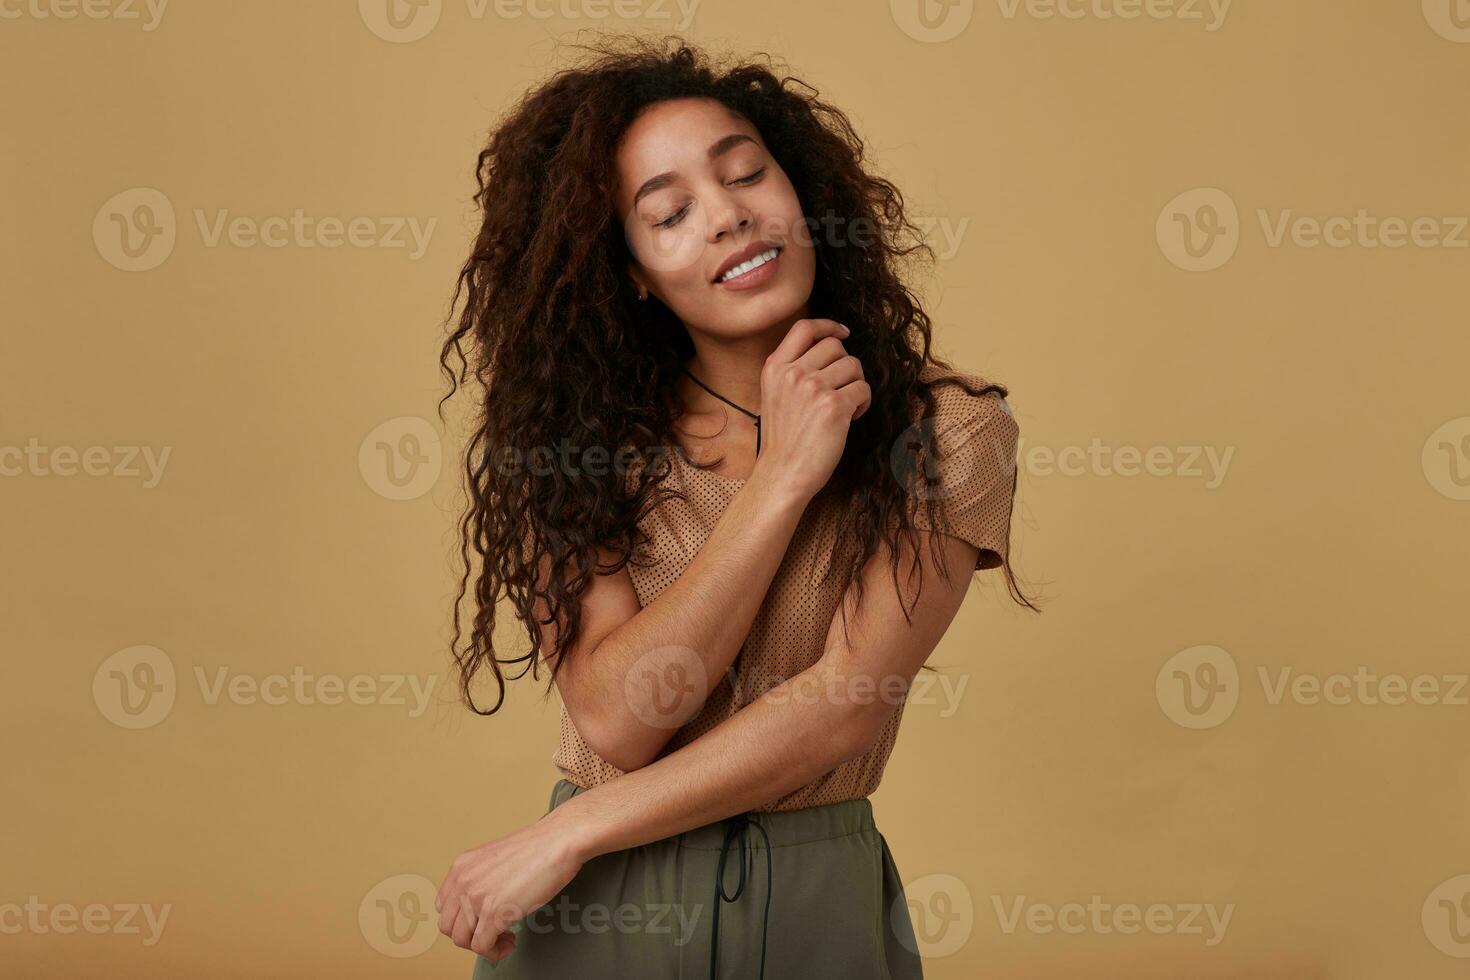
(743, 255)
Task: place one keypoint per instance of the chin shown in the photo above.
(761, 313)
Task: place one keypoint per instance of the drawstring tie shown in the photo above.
(736, 829)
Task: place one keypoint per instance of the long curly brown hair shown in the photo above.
(564, 354)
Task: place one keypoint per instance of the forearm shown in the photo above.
(696, 625)
(783, 740)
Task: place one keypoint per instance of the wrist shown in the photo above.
(574, 827)
(776, 488)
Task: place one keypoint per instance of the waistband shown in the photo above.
(733, 837)
(783, 827)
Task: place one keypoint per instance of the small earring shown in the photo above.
(642, 295)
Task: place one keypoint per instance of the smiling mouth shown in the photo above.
(750, 265)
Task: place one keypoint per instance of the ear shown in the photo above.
(640, 285)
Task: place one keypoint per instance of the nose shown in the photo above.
(728, 216)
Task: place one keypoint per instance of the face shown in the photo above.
(698, 192)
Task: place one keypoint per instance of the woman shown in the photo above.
(713, 433)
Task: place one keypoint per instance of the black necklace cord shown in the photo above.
(732, 405)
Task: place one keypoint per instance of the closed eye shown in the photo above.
(674, 218)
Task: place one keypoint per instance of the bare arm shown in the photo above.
(792, 734)
(783, 740)
(612, 679)
(696, 625)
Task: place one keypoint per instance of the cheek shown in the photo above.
(784, 216)
(672, 254)
(781, 206)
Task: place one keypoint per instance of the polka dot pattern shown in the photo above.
(972, 479)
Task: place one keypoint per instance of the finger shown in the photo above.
(824, 352)
(842, 371)
(464, 924)
(490, 933)
(448, 905)
(859, 395)
(802, 335)
(443, 891)
(505, 944)
(487, 933)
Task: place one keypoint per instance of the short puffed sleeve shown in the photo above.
(963, 456)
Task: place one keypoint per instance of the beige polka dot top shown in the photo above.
(976, 435)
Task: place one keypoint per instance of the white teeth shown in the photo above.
(754, 263)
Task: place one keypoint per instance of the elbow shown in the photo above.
(854, 732)
(624, 747)
(626, 758)
(847, 727)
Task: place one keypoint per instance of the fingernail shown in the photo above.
(845, 330)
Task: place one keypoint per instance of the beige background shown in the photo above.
(1049, 148)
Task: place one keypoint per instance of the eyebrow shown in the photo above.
(716, 150)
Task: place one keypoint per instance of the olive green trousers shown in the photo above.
(817, 888)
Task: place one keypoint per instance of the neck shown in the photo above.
(732, 366)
